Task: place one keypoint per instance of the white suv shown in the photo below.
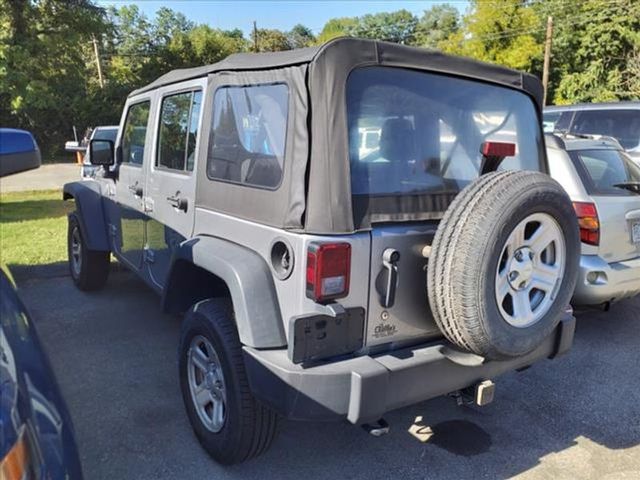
(604, 185)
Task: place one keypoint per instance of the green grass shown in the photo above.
(33, 227)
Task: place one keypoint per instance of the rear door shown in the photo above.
(129, 191)
(618, 209)
(170, 185)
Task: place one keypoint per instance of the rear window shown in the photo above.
(429, 130)
(623, 125)
(604, 169)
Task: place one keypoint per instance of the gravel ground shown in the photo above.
(114, 354)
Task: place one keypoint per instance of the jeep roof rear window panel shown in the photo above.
(329, 186)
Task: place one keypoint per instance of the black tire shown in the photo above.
(249, 426)
(465, 255)
(89, 269)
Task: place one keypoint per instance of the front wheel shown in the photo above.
(89, 269)
(230, 423)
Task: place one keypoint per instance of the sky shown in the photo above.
(281, 14)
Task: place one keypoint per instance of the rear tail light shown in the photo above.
(588, 222)
(328, 271)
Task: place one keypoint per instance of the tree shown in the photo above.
(201, 45)
(301, 36)
(336, 27)
(271, 40)
(436, 25)
(595, 50)
(399, 26)
(44, 52)
(504, 33)
(169, 23)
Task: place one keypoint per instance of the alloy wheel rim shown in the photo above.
(76, 251)
(206, 384)
(530, 270)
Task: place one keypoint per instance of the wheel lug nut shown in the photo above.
(518, 255)
(513, 276)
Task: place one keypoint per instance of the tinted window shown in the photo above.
(606, 168)
(623, 125)
(431, 128)
(179, 116)
(249, 133)
(134, 133)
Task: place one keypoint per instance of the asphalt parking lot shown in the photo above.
(114, 354)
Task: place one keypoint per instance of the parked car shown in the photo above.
(18, 151)
(36, 434)
(317, 284)
(620, 120)
(101, 132)
(604, 185)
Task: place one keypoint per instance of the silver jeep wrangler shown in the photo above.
(324, 275)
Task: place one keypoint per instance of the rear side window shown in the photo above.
(179, 117)
(623, 125)
(249, 135)
(134, 133)
(606, 168)
(428, 130)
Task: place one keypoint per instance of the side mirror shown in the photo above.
(101, 152)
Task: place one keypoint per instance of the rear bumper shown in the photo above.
(615, 280)
(363, 389)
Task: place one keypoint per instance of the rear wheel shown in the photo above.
(230, 423)
(503, 264)
(89, 269)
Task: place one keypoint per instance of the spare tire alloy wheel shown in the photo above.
(530, 270)
(504, 263)
(206, 384)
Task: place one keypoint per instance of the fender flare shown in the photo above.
(90, 213)
(248, 280)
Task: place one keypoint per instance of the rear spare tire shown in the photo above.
(503, 264)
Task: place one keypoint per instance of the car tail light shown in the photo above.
(498, 149)
(588, 222)
(328, 270)
(15, 464)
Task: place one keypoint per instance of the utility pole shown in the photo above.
(97, 54)
(255, 37)
(547, 58)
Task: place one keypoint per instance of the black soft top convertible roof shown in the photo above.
(315, 193)
(355, 52)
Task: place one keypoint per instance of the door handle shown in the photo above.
(136, 190)
(176, 201)
(390, 259)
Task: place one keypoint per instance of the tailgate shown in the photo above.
(407, 315)
(619, 227)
